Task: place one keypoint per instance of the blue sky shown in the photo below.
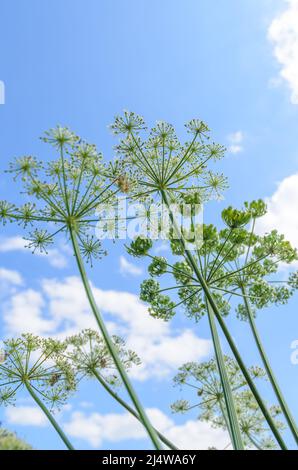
(78, 63)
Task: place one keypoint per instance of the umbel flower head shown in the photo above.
(159, 162)
(37, 363)
(203, 379)
(235, 263)
(89, 355)
(64, 193)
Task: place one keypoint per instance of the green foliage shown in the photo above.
(10, 441)
(229, 260)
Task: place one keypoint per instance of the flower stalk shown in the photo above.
(268, 368)
(210, 298)
(233, 425)
(49, 416)
(122, 372)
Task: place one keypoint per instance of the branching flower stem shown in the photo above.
(49, 416)
(225, 330)
(233, 427)
(141, 412)
(271, 376)
(125, 405)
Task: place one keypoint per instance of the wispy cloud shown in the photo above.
(50, 312)
(235, 141)
(282, 209)
(96, 428)
(25, 416)
(128, 268)
(283, 33)
(55, 256)
(11, 277)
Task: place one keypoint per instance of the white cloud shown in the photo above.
(236, 142)
(12, 244)
(197, 435)
(10, 277)
(22, 313)
(61, 308)
(55, 256)
(282, 210)
(126, 267)
(97, 428)
(283, 33)
(25, 416)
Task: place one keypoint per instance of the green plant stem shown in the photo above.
(224, 414)
(271, 376)
(110, 345)
(233, 428)
(130, 409)
(49, 416)
(222, 324)
(252, 440)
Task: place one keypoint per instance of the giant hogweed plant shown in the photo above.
(160, 168)
(237, 264)
(51, 371)
(66, 193)
(37, 365)
(88, 355)
(204, 382)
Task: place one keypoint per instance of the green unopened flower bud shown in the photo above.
(140, 247)
(176, 247)
(256, 208)
(235, 218)
(197, 127)
(6, 211)
(293, 280)
(180, 406)
(149, 290)
(158, 266)
(128, 123)
(182, 272)
(162, 307)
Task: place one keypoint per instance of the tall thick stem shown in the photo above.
(232, 418)
(130, 409)
(110, 345)
(49, 416)
(271, 376)
(210, 298)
